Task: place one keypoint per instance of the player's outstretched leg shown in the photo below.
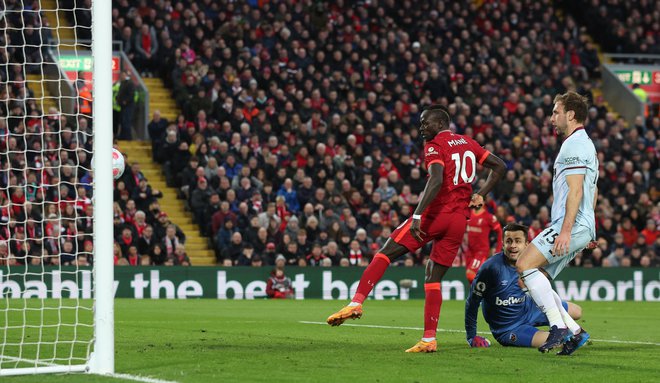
(373, 273)
(576, 341)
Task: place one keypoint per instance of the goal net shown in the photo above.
(49, 200)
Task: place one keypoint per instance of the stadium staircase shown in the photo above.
(63, 31)
(196, 246)
(137, 151)
(160, 98)
(40, 91)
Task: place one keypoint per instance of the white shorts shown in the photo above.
(545, 241)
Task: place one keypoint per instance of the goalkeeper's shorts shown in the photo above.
(522, 335)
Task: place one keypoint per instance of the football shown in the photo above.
(118, 163)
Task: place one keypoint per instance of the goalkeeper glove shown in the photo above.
(479, 341)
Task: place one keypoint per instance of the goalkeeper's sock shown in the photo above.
(370, 277)
(541, 291)
(572, 324)
(432, 305)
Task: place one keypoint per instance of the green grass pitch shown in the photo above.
(266, 341)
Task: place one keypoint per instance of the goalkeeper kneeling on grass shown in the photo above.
(511, 314)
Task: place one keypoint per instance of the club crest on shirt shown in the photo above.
(513, 337)
(479, 288)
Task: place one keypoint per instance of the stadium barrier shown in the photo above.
(618, 94)
(611, 284)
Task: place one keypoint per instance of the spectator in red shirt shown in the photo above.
(650, 232)
(629, 232)
(279, 285)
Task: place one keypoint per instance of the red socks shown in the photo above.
(374, 273)
(371, 276)
(432, 305)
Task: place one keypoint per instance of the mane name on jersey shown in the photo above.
(460, 141)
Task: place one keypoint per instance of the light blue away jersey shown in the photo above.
(576, 156)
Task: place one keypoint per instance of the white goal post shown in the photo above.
(103, 358)
(56, 316)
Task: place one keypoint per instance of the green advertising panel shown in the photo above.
(575, 284)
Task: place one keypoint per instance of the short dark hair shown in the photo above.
(441, 112)
(575, 102)
(516, 227)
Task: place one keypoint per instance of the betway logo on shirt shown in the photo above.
(460, 141)
(510, 301)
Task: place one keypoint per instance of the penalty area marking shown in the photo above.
(463, 332)
(138, 378)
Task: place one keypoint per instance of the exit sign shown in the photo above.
(82, 63)
(76, 63)
(641, 77)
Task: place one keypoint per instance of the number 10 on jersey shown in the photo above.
(461, 166)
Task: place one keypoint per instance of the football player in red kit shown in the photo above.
(479, 227)
(441, 216)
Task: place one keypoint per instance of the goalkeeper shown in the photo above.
(510, 313)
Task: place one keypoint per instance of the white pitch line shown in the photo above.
(138, 378)
(393, 327)
(463, 332)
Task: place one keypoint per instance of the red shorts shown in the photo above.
(474, 259)
(446, 232)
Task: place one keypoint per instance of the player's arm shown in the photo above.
(497, 169)
(575, 193)
(433, 186)
(472, 304)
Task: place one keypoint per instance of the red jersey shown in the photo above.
(459, 155)
(479, 227)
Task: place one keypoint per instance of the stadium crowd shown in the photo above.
(299, 127)
(46, 210)
(298, 134)
(620, 26)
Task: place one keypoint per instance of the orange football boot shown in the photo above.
(347, 312)
(422, 346)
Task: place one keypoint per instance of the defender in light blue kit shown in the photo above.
(573, 222)
(577, 156)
